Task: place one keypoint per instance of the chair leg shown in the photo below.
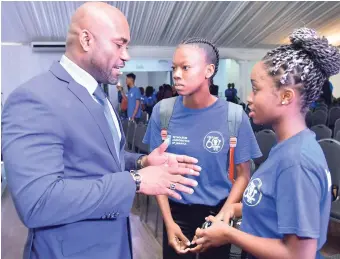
(147, 208)
(142, 207)
(137, 201)
(157, 222)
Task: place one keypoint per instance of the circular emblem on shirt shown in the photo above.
(213, 142)
(253, 195)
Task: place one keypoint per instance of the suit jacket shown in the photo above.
(68, 185)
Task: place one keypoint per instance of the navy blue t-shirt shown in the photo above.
(203, 133)
(290, 192)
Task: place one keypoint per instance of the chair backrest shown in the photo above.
(336, 127)
(322, 108)
(125, 126)
(319, 117)
(331, 149)
(131, 134)
(309, 119)
(140, 147)
(337, 136)
(322, 131)
(266, 139)
(334, 114)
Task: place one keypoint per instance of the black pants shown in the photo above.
(189, 218)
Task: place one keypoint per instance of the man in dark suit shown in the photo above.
(63, 148)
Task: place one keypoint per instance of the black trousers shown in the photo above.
(189, 218)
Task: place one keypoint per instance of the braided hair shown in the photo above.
(307, 63)
(211, 51)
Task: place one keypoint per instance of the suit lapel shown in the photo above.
(97, 113)
(94, 108)
(123, 140)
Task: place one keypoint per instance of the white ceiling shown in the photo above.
(228, 24)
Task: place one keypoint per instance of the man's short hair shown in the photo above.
(131, 75)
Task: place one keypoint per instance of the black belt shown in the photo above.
(198, 206)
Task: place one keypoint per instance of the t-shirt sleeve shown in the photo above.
(153, 133)
(247, 147)
(138, 94)
(298, 197)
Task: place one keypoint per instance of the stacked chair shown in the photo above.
(331, 149)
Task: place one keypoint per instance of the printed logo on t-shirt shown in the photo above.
(252, 195)
(329, 179)
(213, 142)
(179, 140)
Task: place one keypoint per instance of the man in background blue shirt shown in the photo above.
(134, 111)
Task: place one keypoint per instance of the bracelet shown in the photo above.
(137, 178)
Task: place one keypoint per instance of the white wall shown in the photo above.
(233, 71)
(19, 64)
(147, 65)
(336, 85)
(220, 78)
(156, 79)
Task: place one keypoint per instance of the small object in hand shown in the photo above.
(192, 246)
(209, 223)
(206, 224)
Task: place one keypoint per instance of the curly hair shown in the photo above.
(307, 63)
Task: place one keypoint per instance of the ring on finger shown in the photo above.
(172, 186)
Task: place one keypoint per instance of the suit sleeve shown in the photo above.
(131, 160)
(33, 149)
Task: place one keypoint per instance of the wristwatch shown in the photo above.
(139, 163)
(137, 178)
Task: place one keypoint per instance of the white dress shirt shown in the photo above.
(85, 79)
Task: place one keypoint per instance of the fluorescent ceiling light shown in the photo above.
(12, 43)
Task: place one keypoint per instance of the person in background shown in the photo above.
(160, 94)
(229, 93)
(168, 93)
(327, 93)
(154, 94)
(174, 92)
(134, 111)
(122, 104)
(286, 206)
(199, 125)
(142, 98)
(149, 100)
(234, 90)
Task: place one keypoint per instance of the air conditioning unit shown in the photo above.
(48, 46)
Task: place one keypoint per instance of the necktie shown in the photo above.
(100, 96)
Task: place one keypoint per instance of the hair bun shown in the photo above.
(324, 55)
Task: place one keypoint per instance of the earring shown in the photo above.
(283, 102)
